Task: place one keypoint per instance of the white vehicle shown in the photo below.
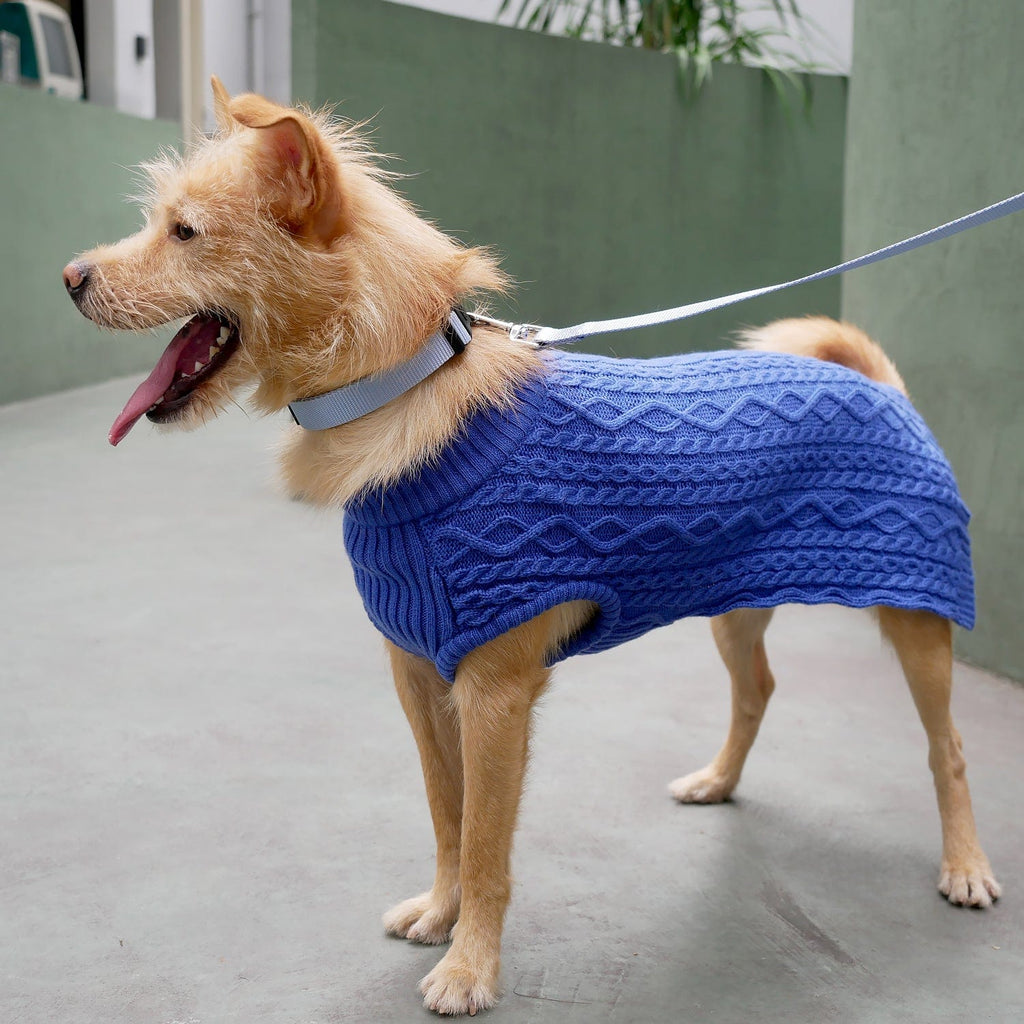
(49, 56)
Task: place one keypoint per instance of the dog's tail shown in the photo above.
(824, 338)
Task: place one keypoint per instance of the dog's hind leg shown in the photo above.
(426, 699)
(923, 642)
(739, 635)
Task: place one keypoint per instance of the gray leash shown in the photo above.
(543, 337)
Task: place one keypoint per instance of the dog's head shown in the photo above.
(296, 267)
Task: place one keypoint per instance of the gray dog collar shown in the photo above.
(363, 396)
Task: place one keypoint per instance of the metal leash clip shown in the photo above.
(517, 332)
(526, 333)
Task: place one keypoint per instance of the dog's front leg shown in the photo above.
(426, 699)
(495, 689)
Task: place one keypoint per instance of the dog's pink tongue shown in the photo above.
(148, 393)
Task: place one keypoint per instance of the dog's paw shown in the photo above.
(969, 883)
(456, 986)
(704, 787)
(424, 919)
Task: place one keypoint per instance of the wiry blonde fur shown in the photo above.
(313, 313)
(331, 276)
(819, 337)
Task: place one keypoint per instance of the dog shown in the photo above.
(513, 506)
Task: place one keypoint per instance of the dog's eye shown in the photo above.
(182, 231)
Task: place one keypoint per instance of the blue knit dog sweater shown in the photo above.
(663, 488)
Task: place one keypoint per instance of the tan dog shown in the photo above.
(304, 271)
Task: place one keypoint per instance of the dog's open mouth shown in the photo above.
(195, 354)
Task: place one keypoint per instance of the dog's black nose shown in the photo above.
(76, 276)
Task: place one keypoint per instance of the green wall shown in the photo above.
(606, 192)
(936, 129)
(64, 173)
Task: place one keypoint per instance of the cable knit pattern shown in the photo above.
(664, 488)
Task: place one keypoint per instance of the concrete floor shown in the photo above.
(208, 793)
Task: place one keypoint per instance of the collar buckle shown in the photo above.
(459, 330)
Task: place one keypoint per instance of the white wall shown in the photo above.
(247, 43)
(825, 37)
(136, 85)
(277, 36)
(116, 77)
(224, 43)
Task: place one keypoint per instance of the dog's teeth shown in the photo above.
(214, 349)
(222, 335)
(199, 366)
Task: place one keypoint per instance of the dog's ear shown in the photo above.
(222, 105)
(298, 165)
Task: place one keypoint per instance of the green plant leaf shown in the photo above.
(699, 32)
